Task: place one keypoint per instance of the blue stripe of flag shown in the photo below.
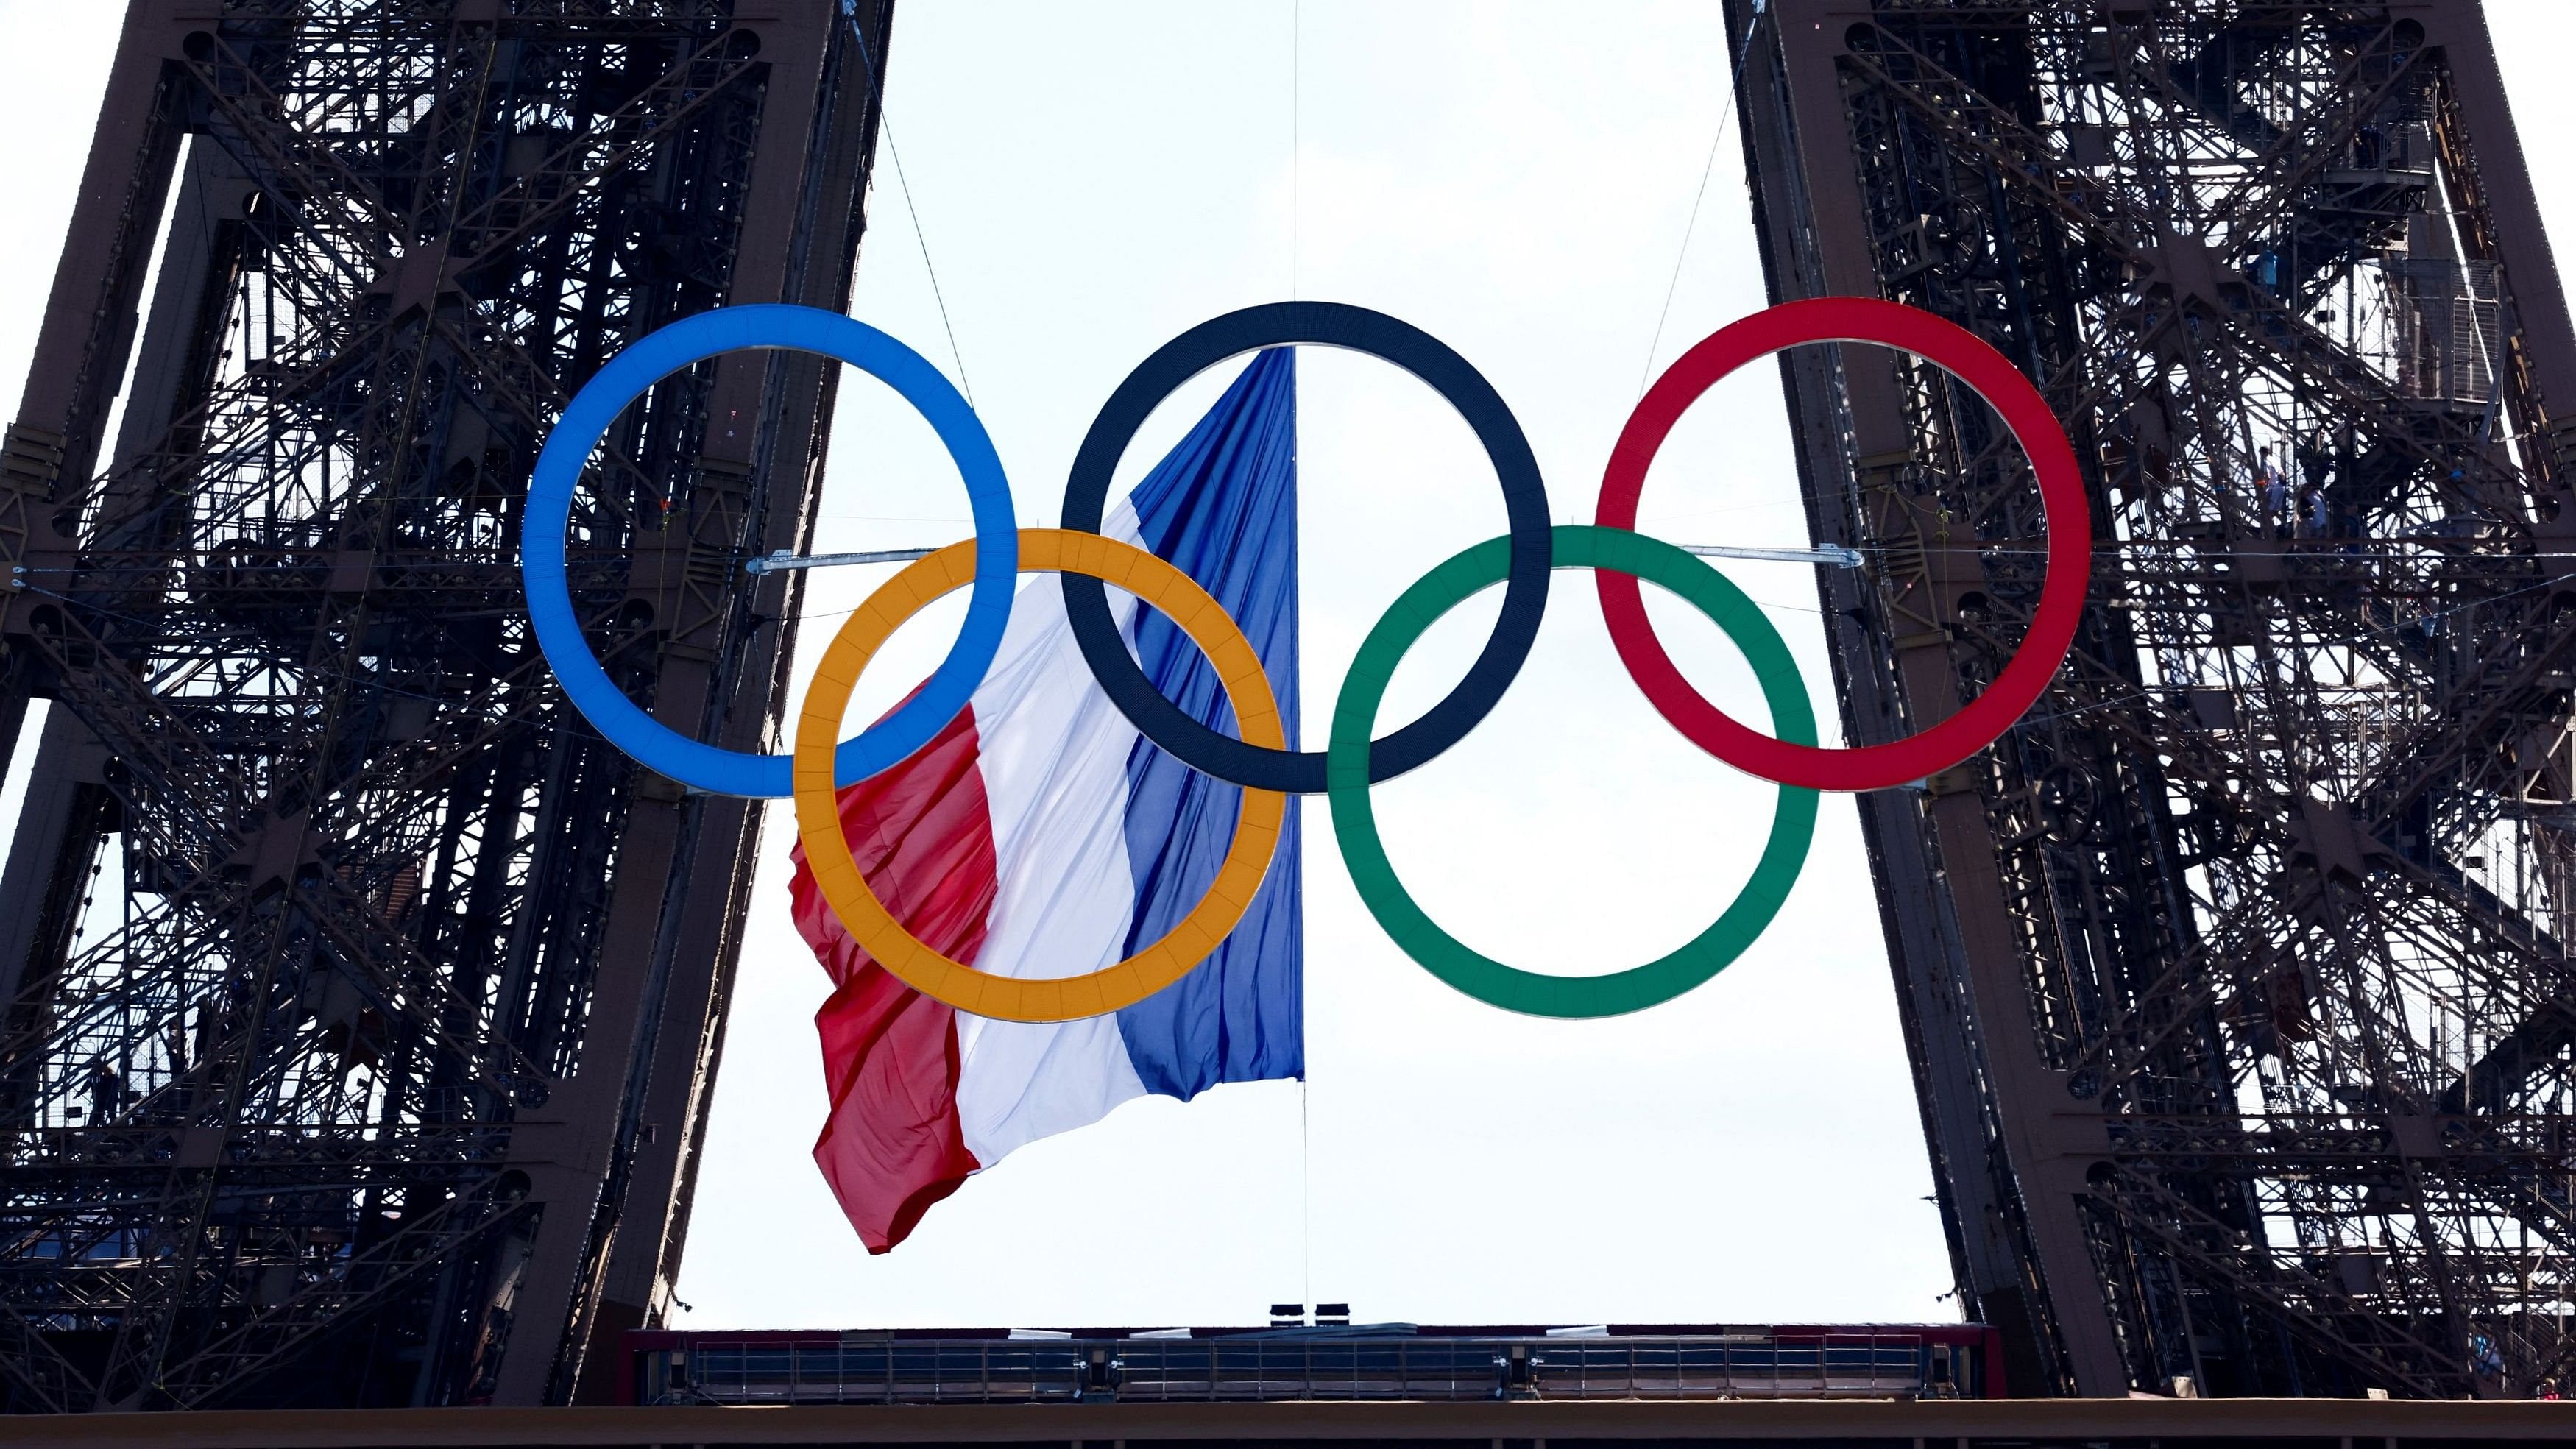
(1222, 506)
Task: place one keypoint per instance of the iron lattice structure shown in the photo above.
(2235, 976)
(358, 1006)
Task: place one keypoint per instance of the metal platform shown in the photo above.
(1968, 1424)
(1383, 1364)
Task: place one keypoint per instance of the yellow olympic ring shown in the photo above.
(836, 874)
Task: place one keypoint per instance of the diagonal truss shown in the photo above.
(357, 1005)
(2235, 975)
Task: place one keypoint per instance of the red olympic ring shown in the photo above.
(2061, 489)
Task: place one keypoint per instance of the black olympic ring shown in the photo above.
(1329, 324)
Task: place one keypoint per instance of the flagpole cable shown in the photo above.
(1305, 1201)
(921, 238)
(1296, 217)
(1734, 84)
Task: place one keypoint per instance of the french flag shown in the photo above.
(1039, 836)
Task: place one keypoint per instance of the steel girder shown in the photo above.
(2233, 976)
(358, 1006)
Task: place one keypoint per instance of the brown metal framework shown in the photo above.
(2234, 977)
(1808, 1424)
(358, 1006)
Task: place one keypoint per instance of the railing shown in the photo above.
(881, 1370)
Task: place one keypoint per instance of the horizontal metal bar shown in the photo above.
(783, 560)
(1823, 553)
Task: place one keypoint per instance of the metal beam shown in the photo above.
(357, 1045)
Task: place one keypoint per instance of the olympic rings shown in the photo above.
(2061, 489)
(1521, 560)
(695, 339)
(1191, 939)
(1331, 324)
(1793, 820)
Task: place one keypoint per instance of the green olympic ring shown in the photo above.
(1793, 820)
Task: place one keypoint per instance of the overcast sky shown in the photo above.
(1093, 179)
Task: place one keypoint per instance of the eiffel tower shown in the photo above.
(2235, 976)
(358, 1008)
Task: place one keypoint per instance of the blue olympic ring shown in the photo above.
(693, 340)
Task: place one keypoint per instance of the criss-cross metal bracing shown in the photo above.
(358, 1006)
(2235, 975)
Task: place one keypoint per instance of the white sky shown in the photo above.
(1094, 179)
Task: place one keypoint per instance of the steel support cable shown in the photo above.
(1726, 113)
(885, 122)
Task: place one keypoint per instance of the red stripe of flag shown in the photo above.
(923, 835)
